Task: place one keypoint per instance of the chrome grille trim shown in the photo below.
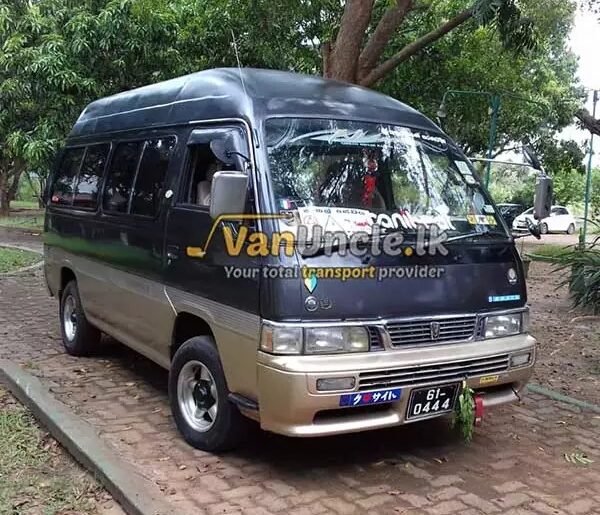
(416, 332)
(441, 372)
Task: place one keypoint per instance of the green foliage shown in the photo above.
(13, 259)
(58, 55)
(583, 263)
(547, 252)
(464, 413)
(513, 184)
(595, 196)
(473, 58)
(36, 476)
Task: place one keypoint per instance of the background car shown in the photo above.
(509, 212)
(560, 220)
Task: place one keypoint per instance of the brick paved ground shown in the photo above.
(515, 464)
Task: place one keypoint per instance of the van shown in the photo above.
(308, 254)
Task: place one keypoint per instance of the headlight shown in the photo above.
(313, 340)
(281, 339)
(503, 325)
(328, 340)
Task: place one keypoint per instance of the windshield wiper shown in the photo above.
(474, 234)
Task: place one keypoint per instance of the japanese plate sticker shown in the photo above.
(481, 220)
(377, 397)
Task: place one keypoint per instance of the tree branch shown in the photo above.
(416, 46)
(588, 121)
(346, 50)
(390, 21)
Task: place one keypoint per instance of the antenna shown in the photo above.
(237, 58)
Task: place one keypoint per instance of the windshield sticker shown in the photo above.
(488, 209)
(466, 172)
(351, 220)
(481, 220)
(435, 143)
(348, 220)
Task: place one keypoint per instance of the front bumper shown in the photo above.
(290, 404)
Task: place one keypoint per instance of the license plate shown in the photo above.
(364, 398)
(433, 400)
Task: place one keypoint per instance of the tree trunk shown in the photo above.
(4, 194)
(343, 61)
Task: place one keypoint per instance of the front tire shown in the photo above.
(571, 229)
(544, 228)
(198, 395)
(80, 338)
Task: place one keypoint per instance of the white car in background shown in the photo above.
(560, 220)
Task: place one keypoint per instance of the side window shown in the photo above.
(149, 183)
(121, 175)
(66, 173)
(90, 176)
(202, 166)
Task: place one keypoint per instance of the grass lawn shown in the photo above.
(13, 259)
(24, 204)
(37, 476)
(546, 252)
(30, 222)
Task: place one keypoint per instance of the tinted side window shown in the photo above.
(121, 176)
(64, 180)
(149, 183)
(90, 176)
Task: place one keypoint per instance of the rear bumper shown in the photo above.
(290, 404)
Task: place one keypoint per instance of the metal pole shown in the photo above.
(588, 179)
(495, 105)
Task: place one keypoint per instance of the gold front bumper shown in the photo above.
(290, 404)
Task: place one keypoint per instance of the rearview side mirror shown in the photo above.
(543, 197)
(228, 193)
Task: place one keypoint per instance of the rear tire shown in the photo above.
(198, 395)
(80, 338)
(571, 229)
(544, 228)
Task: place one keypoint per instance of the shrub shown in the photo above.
(584, 280)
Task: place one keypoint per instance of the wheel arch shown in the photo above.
(66, 276)
(186, 326)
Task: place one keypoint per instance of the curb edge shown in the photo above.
(135, 493)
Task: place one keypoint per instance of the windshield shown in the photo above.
(350, 175)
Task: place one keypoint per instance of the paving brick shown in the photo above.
(513, 499)
(479, 503)
(447, 507)
(509, 486)
(446, 480)
(384, 472)
(583, 506)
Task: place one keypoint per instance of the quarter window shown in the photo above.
(121, 176)
(64, 181)
(90, 176)
(150, 179)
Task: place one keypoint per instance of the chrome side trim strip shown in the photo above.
(215, 313)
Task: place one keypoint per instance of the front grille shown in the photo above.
(443, 372)
(420, 331)
(375, 342)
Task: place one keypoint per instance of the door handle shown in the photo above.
(172, 252)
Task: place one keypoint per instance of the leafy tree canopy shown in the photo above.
(57, 55)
